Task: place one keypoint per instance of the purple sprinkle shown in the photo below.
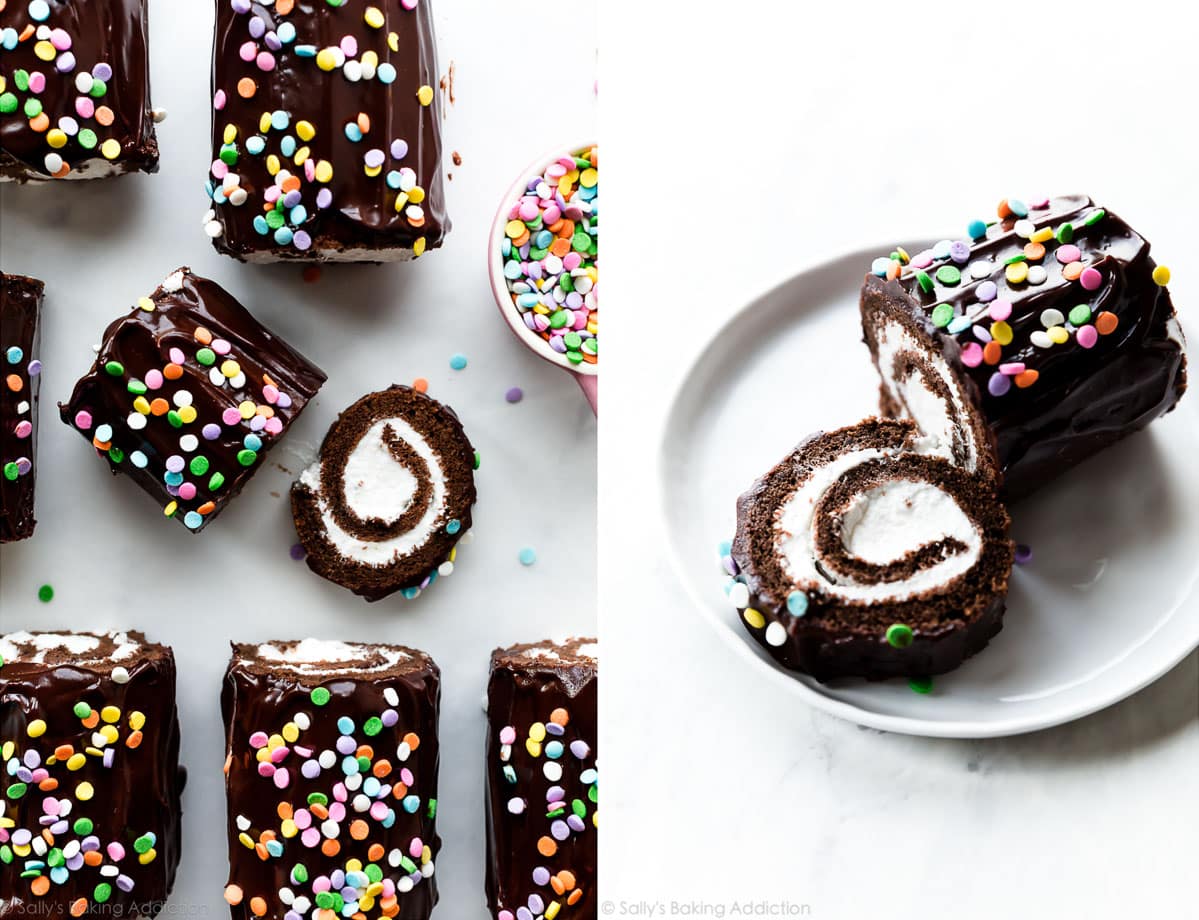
(575, 823)
(1023, 554)
(257, 27)
(102, 72)
(730, 565)
(541, 876)
(999, 384)
(579, 749)
(514, 394)
(310, 770)
(324, 198)
(75, 863)
(399, 148)
(987, 291)
(389, 717)
(555, 729)
(297, 551)
(346, 745)
(35, 367)
(536, 905)
(959, 251)
(125, 883)
(241, 6)
(302, 241)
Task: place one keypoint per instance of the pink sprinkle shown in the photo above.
(337, 812)
(972, 354)
(219, 100)
(24, 429)
(259, 740)
(220, 169)
(266, 769)
(1090, 278)
(273, 426)
(1040, 204)
(1087, 336)
(349, 46)
(379, 811)
(247, 51)
(409, 4)
(389, 888)
(84, 107)
(187, 491)
(154, 379)
(415, 848)
(279, 754)
(220, 346)
(571, 261)
(116, 852)
(37, 82)
(266, 61)
(177, 356)
(311, 838)
(406, 777)
(1068, 253)
(1000, 310)
(270, 393)
(922, 260)
(1012, 368)
(282, 778)
(303, 818)
(340, 793)
(320, 884)
(83, 420)
(231, 416)
(60, 39)
(52, 806)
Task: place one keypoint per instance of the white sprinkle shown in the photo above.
(552, 771)
(120, 675)
(739, 595)
(776, 634)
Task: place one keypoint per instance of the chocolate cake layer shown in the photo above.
(863, 554)
(326, 131)
(187, 394)
(20, 316)
(389, 499)
(74, 90)
(331, 780)
(89, 740)
(542, 785)
(1053, 325)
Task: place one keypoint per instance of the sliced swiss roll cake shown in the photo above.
(1040, 337)
(866, 553)
(389, 499)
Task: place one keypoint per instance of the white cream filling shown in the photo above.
(928, 410)
(376, 485)
(306, 654)
(882, 525)
(14, 644)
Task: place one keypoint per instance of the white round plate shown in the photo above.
(1109, 602)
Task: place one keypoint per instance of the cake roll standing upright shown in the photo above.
(331, 780)
(89, 740)
(326, 132)
(20, 322)
(187, 394)
(542, 785)
(1032, 342)
(75, 90)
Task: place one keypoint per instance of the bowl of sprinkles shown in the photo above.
(544, 265)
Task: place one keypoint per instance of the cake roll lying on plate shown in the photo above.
(863, 553)
(74, 90)
(187, 394)
(542, 787)
(1034, 341)
(89, 740)
(326, 132)
(20, 327)
(331, 780)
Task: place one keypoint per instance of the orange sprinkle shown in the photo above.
(1027, 379)
(1004, 210)
(412, 740)
(246, 88)
(134, 740)
(93, 858)
(261, 851)
(49, 784)
(381, 768)
(894, 270)
(202, 335)
(568, 879)
(556, 226)
(421, 385)
(992, 352)
(206, 508)
(267, 835)
(40, 122)
(556, 884)
(101, 445)
(590, 358)
(359, 829)
(234, 894)
(258, 906)
(228, 764)
(319, 810)
(574, 897)
(375, 853)
(399, 790)
(48, 837)
(566, 229)
(104, 115)
(26, 33)
(173, 371)
(312, 274)
(1072, 271)
(283, 7)
(92, 720)
(330, 848)
(1106, 323)
(547, 847)
(521, 240)
(560, 247)
(160, 406)
(560, 717)
(365, 750)
(284, 811)
(265, 411)
(291, 184)
(40, 885)
(364, 122)
(1035, 252)
(78, 906)
(14, 382)
(325, 913)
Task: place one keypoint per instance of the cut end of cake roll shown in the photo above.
(20, 340)
(866, 553)
(75, 91)
(91, 740)
(1050, 326)
(187, 395)
(331, 774)
(542, 787)
(389, 499)
(345, 164)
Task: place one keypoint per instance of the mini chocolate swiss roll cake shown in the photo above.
(331, 780)
(863, 554)
(1036, 339)
(389, 499)
(74, 90)
(187, 394)
(90, 801)
(542, 787)
(20, 315)
(326, 132)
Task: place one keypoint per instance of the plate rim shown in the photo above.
(800, 684)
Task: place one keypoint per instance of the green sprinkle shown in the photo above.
(593, 793)
(8, 103)
(324, 900)
(16, 790)
(579, 807)
(136, 387)
(558, 319)
(320, 696)
(478, 459)
(432, 811)
(572, 340)
(317, 798)
(114, 368)
(83, 826)
(174, 418)
(55, 858)
(373, 726)
(364, 764)
(299, 872)
(216, 481)
(899, 635)
(144, 843)
(99, 88)
(198, 466)
(82, 710)
(949, 275)
(87, 138)
(33, 108)
(408, 865)
(942, 314)
(45, 594)
(102, 893)
(21, 78)
(275, 219)
(1094, 217)
(921, 684)
(11, 471)
(115, 454)
(206, 356)
(1065, 233)
(1080, 315)
(1016, 258)
(246, 457)
(926, 283)
(373, 872)
(6, 854)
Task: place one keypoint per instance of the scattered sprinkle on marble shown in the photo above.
(297, 552)
(514, 394)
(527, 556)
(458, 361)
(1023, 554)
(45, 594)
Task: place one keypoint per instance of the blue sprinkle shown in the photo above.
(173, 479)
(39, 10)
(453, 526)
(410, 593)
(553, 750)
(261, 226)
(284, 236)
(390, 819)
(1017, 207)
(977, 229)
(306, 50)
(394, 179)
(280, 120)
(349, 765)
(527, 556)
(880, 266)
(959, 324)
(345, 725)
(411, 804)
(458, 361)
(386, 73)
(726, 547)
(286, 33)
(14, 355)
(353, 132)
(252, 442)
(797, 603)
(138, 459)
(288, 145)
(193, 520)
(941, 249)
(256, 144)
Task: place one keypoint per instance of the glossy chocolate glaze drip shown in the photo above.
(525, 689)
(141, 342)
(109, 32)
(140, 793)
(362, 214)
(834, 636)
(260, 695)
(1083, 399)
(20, 312)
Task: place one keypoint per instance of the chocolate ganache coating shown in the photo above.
(75, 90)
(326, 131)
(20, 312)
(542, 785)
(1060, 319)
(187, 394)
(90, 742)
(331, 780)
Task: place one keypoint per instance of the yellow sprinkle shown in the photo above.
(537, 731)
(110, 714)
(22, 851)
(45, 51)
(425, 94)
(56, 138)
(418, 248)
(7, 749)
(372, 171)
(76, 761)
(291, 732)
(288, 828)
(230, 134)
(552, 911)
(533, 748)
(302, 155)
(326, 59)
(262, 755)
(111, 149)
(3, 82)
(188, 414)
(142, 405)
(84, 791)
(324, 171)
(1017, 272)
(393, 41)
(274, 742)
(35, 729)
(272, 164)
(754, 618)
(366, 902)
(245, 840)
(1001, 332)
(370, 60)
(454, 551)
(514, 229)
(1044, 235)
(426, 854)
(417, 195)
(373, 17)
(169, 510)
(401, 201)
(230, 368)
(354, 865)
(137, 720)
(374, 889)
(589, 178)
(146, 304)
(1161, 276)
(1058, 335)
(305, 131)
(148, 857)
(93, 752)
(109, 734)
(247, 410)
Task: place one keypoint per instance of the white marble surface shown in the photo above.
(114, 562)
(794, 133)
